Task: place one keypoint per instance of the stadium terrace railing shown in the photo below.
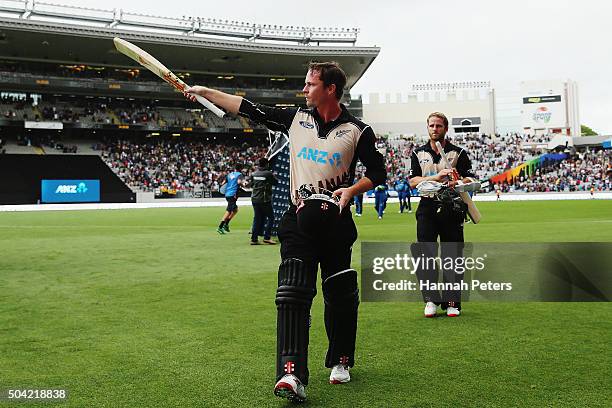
(192, 26)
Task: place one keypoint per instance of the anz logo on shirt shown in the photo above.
(320, 156)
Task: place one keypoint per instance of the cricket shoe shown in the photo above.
(220, 231)
(339, 374)
(452, 311)
(431, 309)
(226, 228)
(290, 387)
(269, 242)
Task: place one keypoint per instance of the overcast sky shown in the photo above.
(445, 40)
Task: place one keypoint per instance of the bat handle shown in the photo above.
(455, 175)
(208, 104)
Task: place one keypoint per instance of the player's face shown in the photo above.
(314, 90)
(436, 129)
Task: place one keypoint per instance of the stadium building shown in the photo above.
(550, 107)
(529, 107)
(64, 86)
(469, 106)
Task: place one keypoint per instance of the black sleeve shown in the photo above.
(415, 167)
(371, 158)
(272, 178)
(464, 165)
(277, 119)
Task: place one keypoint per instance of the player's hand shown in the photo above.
(444, 175)
(346, 195)
(198, 90)
(450, 175)
(190, 97)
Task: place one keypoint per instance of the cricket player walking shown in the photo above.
(317, 230)
(440, 214)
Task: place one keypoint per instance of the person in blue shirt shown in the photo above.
(402, 186)
(380, 199)
(232, 181)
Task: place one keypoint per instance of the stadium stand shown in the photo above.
(53, 104)
(176, 164)
(497, 154)
(86, 113)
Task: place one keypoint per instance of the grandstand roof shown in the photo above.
(69, 42)
(590, 140)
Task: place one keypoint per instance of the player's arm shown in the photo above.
(222, 179)
(374, 163)
(276, 119)
(464, 168)
(231, 103)
(273, 179)
(242, 180)
(364, 184)
(246, 181)
(346, 194)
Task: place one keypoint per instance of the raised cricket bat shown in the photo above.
(149, 62)
(473, 212)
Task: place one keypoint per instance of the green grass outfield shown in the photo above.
(152, 308)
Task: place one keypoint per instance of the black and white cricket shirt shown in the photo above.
(321, 155)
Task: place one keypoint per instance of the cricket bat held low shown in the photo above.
(473, 212)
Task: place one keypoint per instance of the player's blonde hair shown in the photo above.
(438, 115)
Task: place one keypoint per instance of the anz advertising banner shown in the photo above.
(70, 191)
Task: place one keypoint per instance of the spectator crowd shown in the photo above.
(179, 165)
(494, 155)
(190, 165)
(590, 169)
